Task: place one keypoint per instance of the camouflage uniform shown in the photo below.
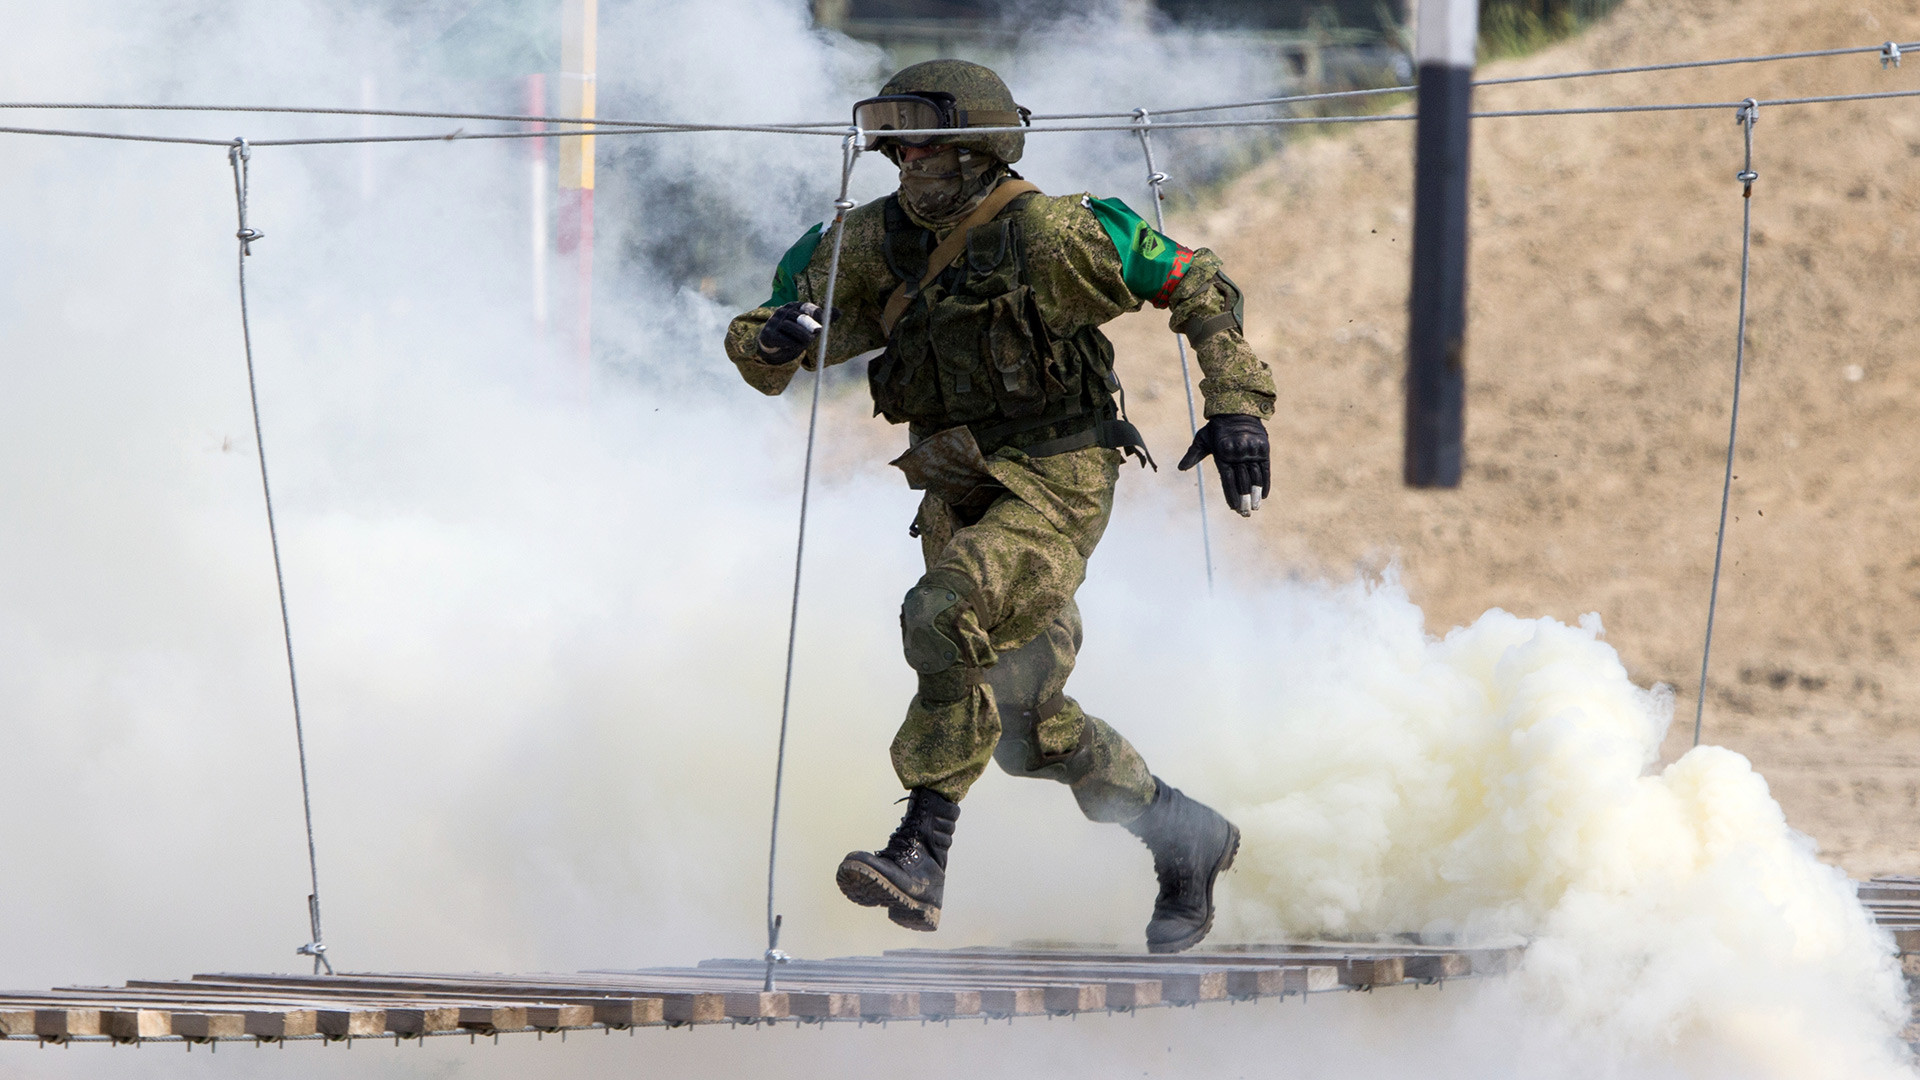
(1007, 534)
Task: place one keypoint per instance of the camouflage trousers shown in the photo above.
(1017, 631)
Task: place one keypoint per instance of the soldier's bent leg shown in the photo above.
(952, 723)
(992, 586)
(1047, 735)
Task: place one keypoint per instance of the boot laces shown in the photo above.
(904, 847)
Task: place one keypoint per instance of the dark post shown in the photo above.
(1437, 316)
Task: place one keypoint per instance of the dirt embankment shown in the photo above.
(1604, 279)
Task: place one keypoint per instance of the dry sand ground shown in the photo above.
(1604, 279)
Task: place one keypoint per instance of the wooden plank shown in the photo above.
(1133, 994)
(620, 1012)
(1431, 968)
(1314, 978)
(487, 1019)
(282, 1023)
(757, 1005)
(16, 1022)
(411, 1021)
(1252, 982)
(1372, 971)
(1018, 1001)
(941, 1004)
(890, 1004)
(824, 1006)
(350, 1023)
(1186, 988)
(694, 1008)
(1072, 998)
(1185, 983)
(202, 1026)
(62, 1023)
(128, 1025)
(561, 1017)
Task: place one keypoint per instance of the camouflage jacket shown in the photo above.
(1086, 260)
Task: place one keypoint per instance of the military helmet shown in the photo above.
(962, 94)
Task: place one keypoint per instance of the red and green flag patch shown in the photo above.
(1151, 263)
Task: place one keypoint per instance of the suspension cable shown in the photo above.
(849, 154)
(1156, 178)
(1889, 52)
(239, 155)
(1749, 116)
(1133, 124)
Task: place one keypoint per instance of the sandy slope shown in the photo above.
(1605, 270)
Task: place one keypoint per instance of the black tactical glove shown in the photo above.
(788, 333)
(1239, 447)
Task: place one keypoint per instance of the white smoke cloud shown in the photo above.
(541, 631)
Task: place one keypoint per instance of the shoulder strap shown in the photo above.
(950, 249)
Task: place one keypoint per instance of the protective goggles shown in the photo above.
(924, 113)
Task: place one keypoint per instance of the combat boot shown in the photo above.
(1192, 845)
(908, 876)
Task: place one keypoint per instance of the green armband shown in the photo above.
(1151, 264)
(786, 276)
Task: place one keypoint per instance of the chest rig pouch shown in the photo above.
(973, 349)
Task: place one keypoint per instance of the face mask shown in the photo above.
(943, 187)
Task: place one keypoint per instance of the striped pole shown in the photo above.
(1437, 315)
(578, 51)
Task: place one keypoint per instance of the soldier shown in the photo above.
(988, 297)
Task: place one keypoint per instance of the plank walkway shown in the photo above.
(903, 984)
(1895, 904)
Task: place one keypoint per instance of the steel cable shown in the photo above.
(1749, 116)
(1889, 51)
(1155, 178)
(849, 154)
(239, 155)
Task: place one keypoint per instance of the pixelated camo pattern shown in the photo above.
(1078, 279)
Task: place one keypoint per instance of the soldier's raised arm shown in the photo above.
(1113, 262)
(774, 340)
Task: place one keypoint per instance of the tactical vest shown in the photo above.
(973, 349)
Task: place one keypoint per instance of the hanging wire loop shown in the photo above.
(1156, 181)
(1749, 115)
(240, 156)
(849, 154)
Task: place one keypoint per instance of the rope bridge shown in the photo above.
(907, 984)
(982, 984)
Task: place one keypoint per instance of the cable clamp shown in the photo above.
(843, 205)
(1156, 179)
(246, 238)
(775, 956)
(311, 948)
(1889, 54)
(1748, 113)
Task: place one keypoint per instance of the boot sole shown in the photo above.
(1225, 864)
(865, 886)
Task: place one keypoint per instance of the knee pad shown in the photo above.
(927, 630)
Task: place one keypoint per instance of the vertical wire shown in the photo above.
(239, 156)
(1749, 115)
(1155, 178)
(849, 153)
